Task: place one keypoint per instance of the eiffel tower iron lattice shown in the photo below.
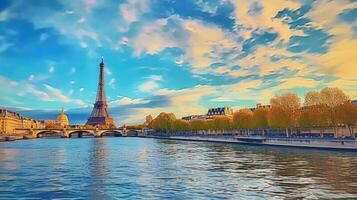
(100, 114)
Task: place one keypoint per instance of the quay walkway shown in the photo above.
(343, 144)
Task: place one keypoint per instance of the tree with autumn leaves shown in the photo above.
(329, 107)
(285, 111)
(243, 120)
(164, 122)
(260, 119)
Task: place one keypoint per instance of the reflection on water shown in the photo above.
(98, 170)
(138, 168)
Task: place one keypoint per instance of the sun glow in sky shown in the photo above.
(180, 56)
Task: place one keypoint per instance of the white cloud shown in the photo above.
(341, 56)
(131, 11)
(222, 99)
(70, 12)
(204, 44)
(31, 77)
(43, 96)
(69, 23)
(81, 89)
(155, 77)
(259, 61)
(81, 20)
(248, 89)
(83, 33)
(51, 69)
(181, 102)
(152, 38)
(90, 4)
(13, 83)
(151, 83)
(4, 15)
(148, 86)
(248, 20)
(83, 44)
(72, 70)
(185, 101)
(180, 60)
(137, 115)
(260, 91)
(57, 95)
(112, 83)
(297, 82)
(124, 40)
(127, 101)
(21, 88)
(247, 84)
(207, 6)
(128, 12)
(38, 77)
(4, 46)
(108, 71)
(187, 95)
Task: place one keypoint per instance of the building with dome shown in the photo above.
(62, 118)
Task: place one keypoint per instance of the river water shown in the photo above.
(142, 168)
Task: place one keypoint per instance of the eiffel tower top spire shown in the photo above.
(101, 85)
(100, 114)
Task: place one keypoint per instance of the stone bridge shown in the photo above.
(72, 132)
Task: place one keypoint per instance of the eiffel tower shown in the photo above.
(100, 114)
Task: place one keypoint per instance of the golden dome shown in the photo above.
(62, 118)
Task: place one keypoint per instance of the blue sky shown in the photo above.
(180, 56)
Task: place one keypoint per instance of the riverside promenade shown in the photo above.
(6, 138)
(342, 144)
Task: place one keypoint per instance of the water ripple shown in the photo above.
(137, 168)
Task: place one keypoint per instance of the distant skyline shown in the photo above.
(175, 56)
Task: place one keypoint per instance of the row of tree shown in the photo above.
(329, 107)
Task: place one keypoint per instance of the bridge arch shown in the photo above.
(81, 133)
(49, 133)
(114, 133)
(133, 132)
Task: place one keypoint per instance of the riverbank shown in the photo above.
(9, 138)
(339, 144)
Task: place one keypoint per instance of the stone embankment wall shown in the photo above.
(316, 132)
